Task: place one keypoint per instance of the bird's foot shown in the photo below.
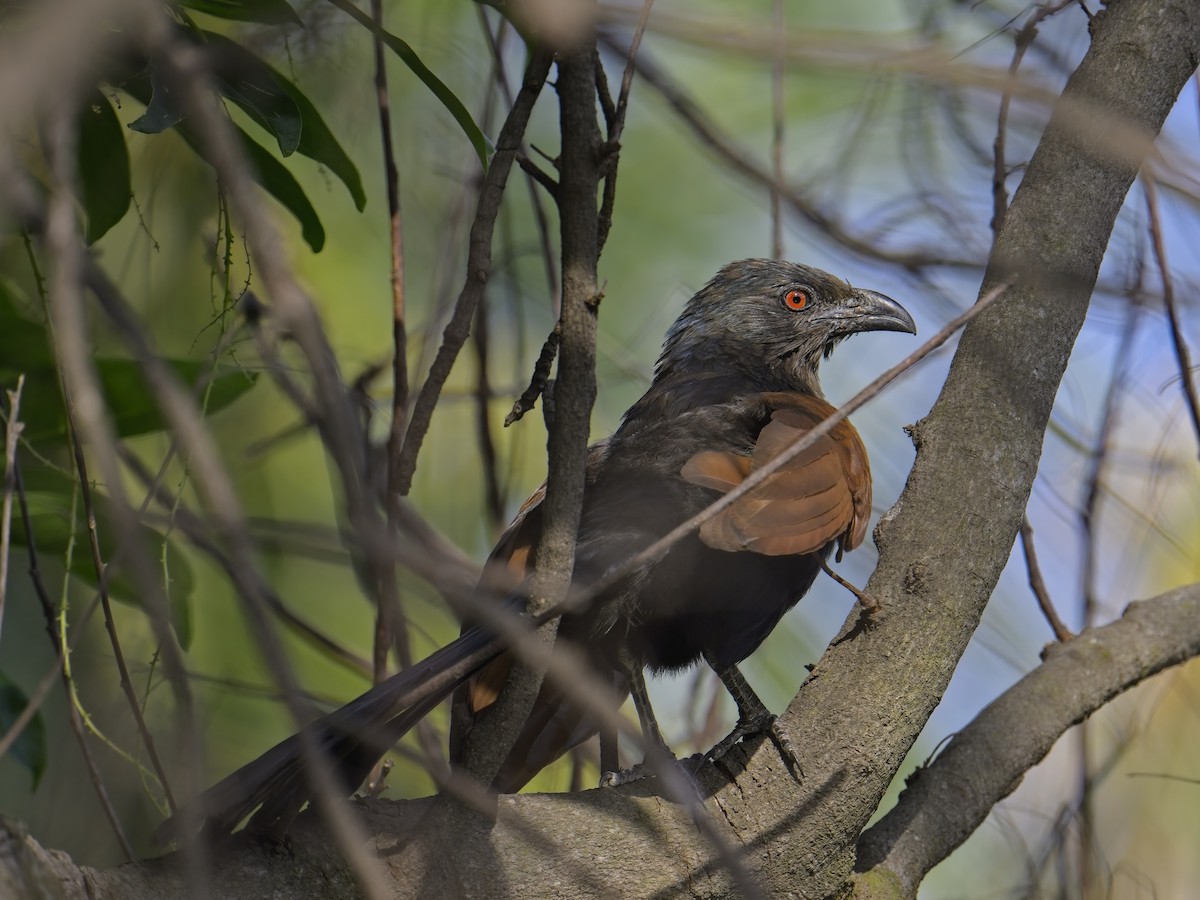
(626, 776)
(677, 777)
(762, 722)
(657, 759)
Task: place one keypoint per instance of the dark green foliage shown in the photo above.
(25, 349)
(268, 12)
(30, 748)
(408, 56)
(103, 167)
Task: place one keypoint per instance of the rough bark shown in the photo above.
(986, 761)
(575, 394)
(629, 843)
(944, 544)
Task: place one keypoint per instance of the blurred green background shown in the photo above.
(897, 156)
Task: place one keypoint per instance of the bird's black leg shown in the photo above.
(753, 718)
(645, 712)
(651, 734)
(610, 761)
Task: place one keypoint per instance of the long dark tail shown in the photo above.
(272, 789)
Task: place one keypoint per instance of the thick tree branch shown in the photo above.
(943, 546)
(499, 727)
(987, 760)
(935, 814)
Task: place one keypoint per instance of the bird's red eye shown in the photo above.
(796, 299)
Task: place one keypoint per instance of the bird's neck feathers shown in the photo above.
(700, 343)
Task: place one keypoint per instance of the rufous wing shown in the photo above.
(820, 495)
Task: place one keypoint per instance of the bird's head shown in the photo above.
(774, 321)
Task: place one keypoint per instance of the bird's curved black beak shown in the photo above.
(870, 311)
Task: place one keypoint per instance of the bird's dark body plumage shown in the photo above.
(696, 600)
(736, 383)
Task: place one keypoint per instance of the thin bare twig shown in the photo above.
(618, 124)
(537, 384)
(777, 134)
(388, 615)
(1023, 39)
(545, 240)
(493, 495)
(392, 179)
(615, 121)
(1022, 42)
(1165, 776)
(1038, 584)
(478, 266)
(1099, 455)
(538, 174)
(73, 717)
(391, 626)
(1177, 339)
(110, 624)
(742, 162)
(12, 434)
(493, 488)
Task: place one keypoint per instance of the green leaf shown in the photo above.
(30, 748)
(24, 344)
(25, 349)
(267, 170)
(408, 56)
(268, 12)
(50, 516)
(313, 138)
(132, 407)
(103, 167)
(318, 143)
(162, 106)
(239, 75)
(251, 84)
(274, 176)
(277, 180)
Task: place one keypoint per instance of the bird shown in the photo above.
(736, 383)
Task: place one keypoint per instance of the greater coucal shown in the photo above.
(736, 383)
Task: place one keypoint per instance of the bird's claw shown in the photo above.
(625, 776)
(751, 726)
(667, 765)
